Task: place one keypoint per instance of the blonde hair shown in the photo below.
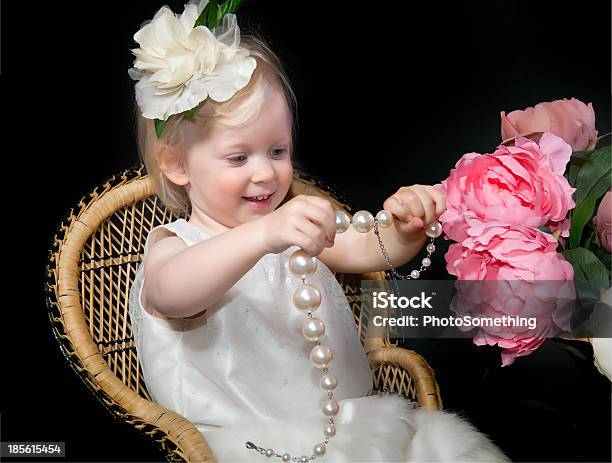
(235, 111)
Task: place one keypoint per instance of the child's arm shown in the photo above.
(413, 207)
(181, 281)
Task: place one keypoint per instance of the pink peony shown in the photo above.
(549, 303)
(530, 279)
(603, 221)
(521, 184)
(498, 250)
(571, 120)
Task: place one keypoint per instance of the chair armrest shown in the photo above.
(190, 443)
(407, 370)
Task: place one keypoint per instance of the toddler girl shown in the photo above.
(216, 332)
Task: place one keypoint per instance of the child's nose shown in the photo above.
(264, 172)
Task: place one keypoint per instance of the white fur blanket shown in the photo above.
(383, 428)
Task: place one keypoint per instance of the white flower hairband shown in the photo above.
(184, 59)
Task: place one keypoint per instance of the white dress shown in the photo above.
(241, 372)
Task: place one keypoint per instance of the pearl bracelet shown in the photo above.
(363, 222)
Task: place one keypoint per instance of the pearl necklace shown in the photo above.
(307, 299)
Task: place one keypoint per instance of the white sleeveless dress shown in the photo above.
(241, 372)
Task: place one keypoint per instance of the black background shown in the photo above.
(388, 95)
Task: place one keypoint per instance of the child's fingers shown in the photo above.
(414, 201)
(397, 208)
(426, 203)
(321, 212)
(313, 230)
(305, 241)
(438, 198)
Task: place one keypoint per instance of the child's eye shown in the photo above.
(279, 152)
(240, 158)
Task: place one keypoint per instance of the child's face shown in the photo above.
(231, 163)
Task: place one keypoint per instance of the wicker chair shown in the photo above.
(92, 262)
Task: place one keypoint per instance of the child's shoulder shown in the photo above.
(163, 231)
(163, 242)
(176, 231)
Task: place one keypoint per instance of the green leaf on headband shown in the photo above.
(159, 127)
(213, 13)
(192, 112)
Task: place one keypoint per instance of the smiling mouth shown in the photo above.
(258, 198)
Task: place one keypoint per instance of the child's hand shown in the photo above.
(306, 221)
(415, 207)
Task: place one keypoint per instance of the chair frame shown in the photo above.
(100, 360)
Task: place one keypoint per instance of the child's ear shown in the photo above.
(172, 165)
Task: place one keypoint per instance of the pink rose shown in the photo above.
(498, 250)
(530, 280)
(571, 120)
(521, 184)
(603, 221)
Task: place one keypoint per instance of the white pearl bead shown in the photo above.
(385, 218)
(313, 329)
(319, 449)
(343, 221)
(431, 247)
(330, 430)
(328, 382)
(286, 457)
(363, 221)
(426, 262)
(306, 298)
(330, 407)
(415, 274)
(321, 356)
(304, 459)
(434, 229)
(301, 264)
(269, 453)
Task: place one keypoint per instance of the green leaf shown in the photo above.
(591, 180)
(587, 243)
(192, 112)
(594, 176)
(580, 156)
(605, 258)
(572, 172)
(589, 270)
(582, 214)
(572, 350)
(159, 127)
(601, 138)
(208, 16)
(544, 229)
(213, 13)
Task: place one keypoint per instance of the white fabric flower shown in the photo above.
(178, 66)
